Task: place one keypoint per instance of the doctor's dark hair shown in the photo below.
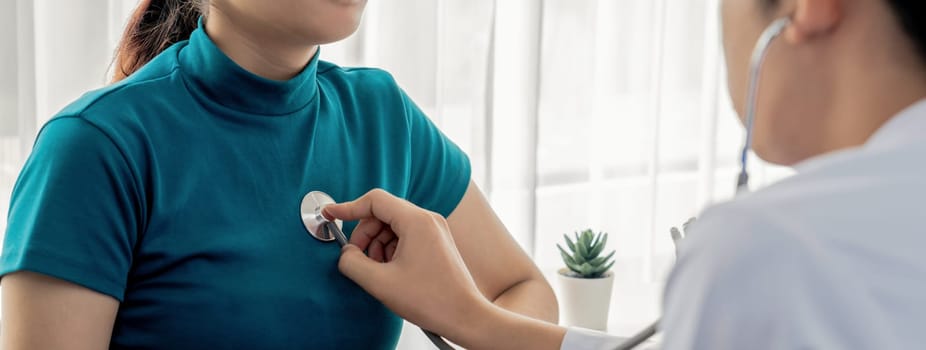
(153, 27)
(912, 17)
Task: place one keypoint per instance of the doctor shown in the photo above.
(832, 258)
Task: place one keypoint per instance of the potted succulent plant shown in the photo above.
(586, 281)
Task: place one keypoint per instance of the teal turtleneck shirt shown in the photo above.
(177, 192)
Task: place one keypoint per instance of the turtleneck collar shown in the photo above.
(225, 82)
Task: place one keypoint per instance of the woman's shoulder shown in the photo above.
(360, 79)
(159, 77)
(373, 90)
(120, 111)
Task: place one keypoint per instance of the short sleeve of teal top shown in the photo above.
(177, 192)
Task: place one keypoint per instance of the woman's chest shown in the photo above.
(224, 261)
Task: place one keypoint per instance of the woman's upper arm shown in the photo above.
(493, 257)
(76, 210)
(42, 312)
(440, 181)
(75, 214)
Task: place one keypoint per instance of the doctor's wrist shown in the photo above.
(475, 324)
(487, 325)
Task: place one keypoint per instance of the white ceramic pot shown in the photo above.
(584, 302)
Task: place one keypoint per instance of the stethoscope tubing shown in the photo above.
(756, 63)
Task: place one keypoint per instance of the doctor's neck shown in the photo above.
(882, 74)
(841, 70)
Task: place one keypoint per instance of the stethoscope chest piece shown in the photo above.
(326, 231)
(312, 218)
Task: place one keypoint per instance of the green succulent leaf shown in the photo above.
(601, 260)
(594, 247)
(597, 249)
(577, 268)
(582, 253)
(566, 257)
(584, 257)
(587, 270)
(602, 269)
(597, 239)
(572, 246)
(589, 236)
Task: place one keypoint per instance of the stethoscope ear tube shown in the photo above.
(752, 94)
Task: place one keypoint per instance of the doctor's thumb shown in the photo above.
(358, 267)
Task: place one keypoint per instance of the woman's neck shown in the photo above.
(255, 51)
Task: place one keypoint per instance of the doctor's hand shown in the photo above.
(425, 281)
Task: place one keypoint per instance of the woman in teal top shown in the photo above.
(162, 211)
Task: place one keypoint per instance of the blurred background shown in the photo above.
(603, 114)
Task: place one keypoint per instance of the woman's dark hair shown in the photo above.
(912, 17)
(154, 26)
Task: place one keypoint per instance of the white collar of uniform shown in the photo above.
(906, 127)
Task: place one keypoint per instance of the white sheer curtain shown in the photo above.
(608, 114)
(50, 53)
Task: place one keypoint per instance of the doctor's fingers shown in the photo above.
(366, 272)
(365, 232)
(427, 261)
(377, 250)
(372, 236)
(398, 213)
(382, 242)
(390, 249)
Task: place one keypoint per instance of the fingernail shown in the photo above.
(327, 214)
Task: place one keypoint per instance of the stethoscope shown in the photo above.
(756, 62)
(755, 72)
(326, 231)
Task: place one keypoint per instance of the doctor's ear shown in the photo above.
(812, 18)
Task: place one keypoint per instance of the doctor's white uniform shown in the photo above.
(831, 258)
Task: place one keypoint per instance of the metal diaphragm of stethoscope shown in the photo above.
(742, 182)
(326, 231)
(317, 224)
